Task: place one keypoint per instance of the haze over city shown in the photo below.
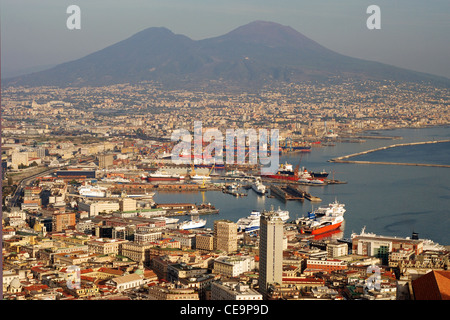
(413, 34)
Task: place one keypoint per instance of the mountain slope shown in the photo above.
(249, 56)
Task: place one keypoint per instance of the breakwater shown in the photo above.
(345, 159)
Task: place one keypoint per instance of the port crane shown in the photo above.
(286, 146)
(297, 167)
(203, 186)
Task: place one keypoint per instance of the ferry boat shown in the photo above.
(283, 214)
(92, 191)
(332, 208)
(200, 177)
(116, 180)
(144, 195)
(235, 174)
(194, 223)
(164, 176)
(250, 223)
(258, 187)
(314, 181)
(324, 219)
(168, 220)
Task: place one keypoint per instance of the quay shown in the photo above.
(181, 209)
(312, 198)
(344, 159)
(145, 187)
(325, 182)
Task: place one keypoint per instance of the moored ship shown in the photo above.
(164, 176)
(167, 220)
(283, 214)
(200, 177)
(250, 223)
(194, 223)
(287, 172)
(92, 191)
(319, 175)
(258, 187)
(324, 219)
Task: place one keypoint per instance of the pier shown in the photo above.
(344, 159)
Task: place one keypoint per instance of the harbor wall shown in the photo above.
(344, 159)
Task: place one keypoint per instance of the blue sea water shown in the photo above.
(388, 200)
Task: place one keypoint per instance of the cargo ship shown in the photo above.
(322, 220)
(297, 148)
(319, 175)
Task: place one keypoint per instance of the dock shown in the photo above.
(284, 193)
(302, 183)
(312, 198)
(295, 190)
(292, 192)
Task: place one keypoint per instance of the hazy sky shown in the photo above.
(414, 34)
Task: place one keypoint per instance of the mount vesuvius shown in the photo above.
(250, 56)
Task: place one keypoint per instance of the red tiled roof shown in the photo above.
(36, 287)
(90, 279)
(303, 280)
(434, 285)
(110, 270)
(86, 270)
